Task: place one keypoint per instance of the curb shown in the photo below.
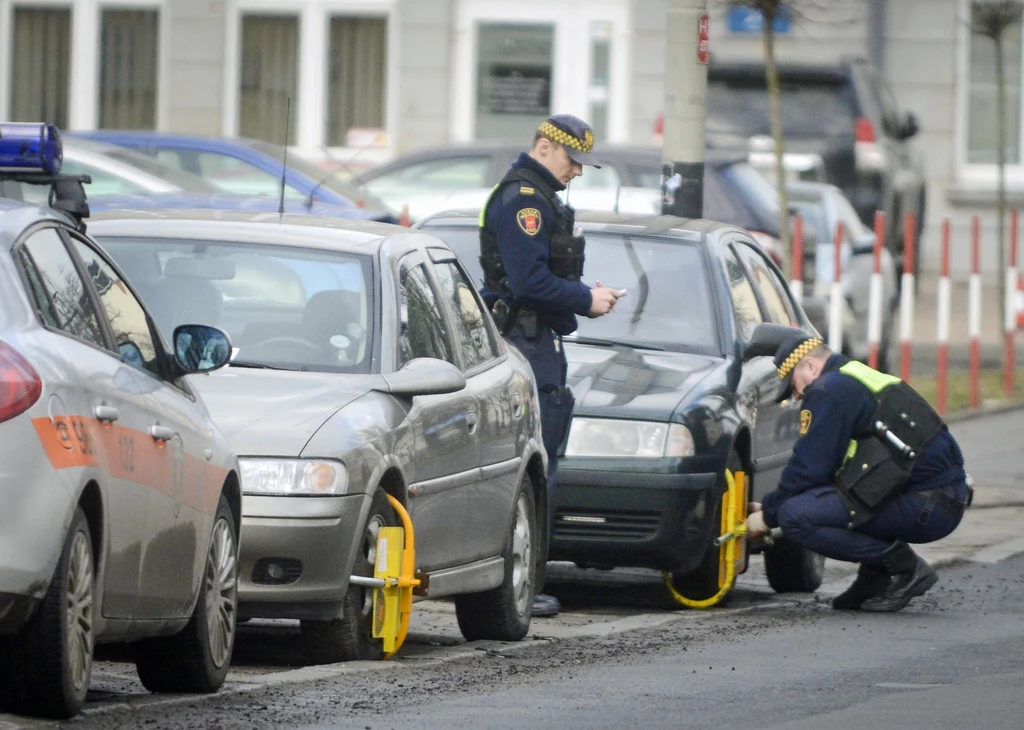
(994, 410)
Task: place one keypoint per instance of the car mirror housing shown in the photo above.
(863, 245)
(424, 376)
(766, 340)
(910, 126)
(199, 348)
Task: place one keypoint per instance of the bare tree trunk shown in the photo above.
(1001, 144)
(772, 79)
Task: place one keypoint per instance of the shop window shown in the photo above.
(128, 69)
(41, 65)
(514, 75)
(269, 77)
(357, 79)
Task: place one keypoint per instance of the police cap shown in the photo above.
(574, 135)
(789, 344)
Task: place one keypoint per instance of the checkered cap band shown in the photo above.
(796, 356)
(562, 137)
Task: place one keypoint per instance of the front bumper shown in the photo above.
(633, 519)
(296, 555)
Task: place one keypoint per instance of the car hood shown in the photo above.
(273, 412)
(622, 382)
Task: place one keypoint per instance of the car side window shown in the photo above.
(435, 176)
(423, 330)
(475, 339)
(780, 310)
(132, 335)
(744, 300)
(60, 295)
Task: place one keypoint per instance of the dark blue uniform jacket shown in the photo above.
(525, 255)
(840, 409)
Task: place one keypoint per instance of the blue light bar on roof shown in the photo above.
(30, 148)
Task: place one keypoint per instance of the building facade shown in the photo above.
(360, 81)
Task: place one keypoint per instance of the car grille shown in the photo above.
(597, 524)
(276, 571)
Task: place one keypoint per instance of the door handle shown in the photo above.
(161, 433)
(517, 405)
(471, 421)
(106, 413)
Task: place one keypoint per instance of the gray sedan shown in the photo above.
(366, 366)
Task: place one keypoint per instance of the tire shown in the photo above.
(793, 569)
(197, 658)
(504, 613)
(46, 669)
(350, 637)
(704, 581)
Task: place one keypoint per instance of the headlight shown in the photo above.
(293, 477)
(642, 439)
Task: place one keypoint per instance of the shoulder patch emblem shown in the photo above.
(805, 421)
(529, 220)
(526, 190)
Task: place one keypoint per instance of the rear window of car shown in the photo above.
(811, 109)
(668, 302)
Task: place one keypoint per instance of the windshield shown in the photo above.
(808, 110)
(282, 307)
(668, 302)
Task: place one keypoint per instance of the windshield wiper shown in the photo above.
(260, 365)
(612, 343)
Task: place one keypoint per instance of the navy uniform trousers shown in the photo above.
(817, 519)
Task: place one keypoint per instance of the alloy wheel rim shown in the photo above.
(522, 557)
(221, 593)
(79, 611)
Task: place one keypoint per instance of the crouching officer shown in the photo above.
(874, 468)
(533, 263)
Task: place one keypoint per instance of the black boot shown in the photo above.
(909, 576)
(870, 582)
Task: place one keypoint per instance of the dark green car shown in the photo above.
(665, 403)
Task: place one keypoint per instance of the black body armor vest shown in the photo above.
(565, 252)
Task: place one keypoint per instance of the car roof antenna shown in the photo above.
(284, 161)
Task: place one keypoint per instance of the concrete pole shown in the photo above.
(686, 83)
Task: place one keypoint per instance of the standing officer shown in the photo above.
(875, 468)
(532, 261)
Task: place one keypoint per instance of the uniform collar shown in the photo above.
(834, 362)
(528, 162)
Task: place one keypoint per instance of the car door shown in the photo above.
(446, 451)
(499, 406)
(166, 456)
(777, 424)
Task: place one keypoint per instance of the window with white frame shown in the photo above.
(269, 77)
(357, 73)
(128, 69)
(41, 61)
(982, 92)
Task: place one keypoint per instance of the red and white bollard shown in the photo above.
(875, 294)
(907, 297)
(1010, 310)
(796, 284)
(835, 309)
(943, 323)
(974, 313)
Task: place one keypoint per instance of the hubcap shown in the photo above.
(78, 611)
(522, 557)
(221, 593)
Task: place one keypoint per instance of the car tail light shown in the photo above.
(864, 130)
(20, 385)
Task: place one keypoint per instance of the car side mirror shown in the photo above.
(766, 339)
(910, 126)
(199, 348)
(424, 376)
(863, 245)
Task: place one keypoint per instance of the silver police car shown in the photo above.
(121, 499)
(366, 366)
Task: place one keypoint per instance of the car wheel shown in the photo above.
(793, 569)
(198, 657)
(45, 670)
(706, 579)
(350, 637)
(504, 613)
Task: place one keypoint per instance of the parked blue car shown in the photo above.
(250, 167)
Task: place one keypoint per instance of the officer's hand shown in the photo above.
(756, 525)
(602, 300)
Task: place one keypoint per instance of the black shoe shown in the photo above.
(871, 581)
(545, 605)
(909, 577)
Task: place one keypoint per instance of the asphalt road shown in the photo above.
(621, 654)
